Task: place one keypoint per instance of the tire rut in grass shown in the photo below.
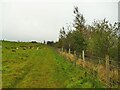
(26, 70)
(41, 73)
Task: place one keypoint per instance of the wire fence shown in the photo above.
(105, 69)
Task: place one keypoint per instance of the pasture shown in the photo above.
(35, 65)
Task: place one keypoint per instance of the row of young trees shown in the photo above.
(99, 39)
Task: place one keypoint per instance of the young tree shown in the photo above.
(62, 37)
(79, 34)
(102, 39)
(79, 22)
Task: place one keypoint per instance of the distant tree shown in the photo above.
(33, 41)
(44, 42)
(50, 43)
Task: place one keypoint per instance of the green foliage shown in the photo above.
(102, 40)
(79, 22)
(99, 39)
(79, 42)
(74, 39)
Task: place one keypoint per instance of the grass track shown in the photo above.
(43, 68)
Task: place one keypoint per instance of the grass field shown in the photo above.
(33, 65)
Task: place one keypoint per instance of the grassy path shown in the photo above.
(43, 68)
(41, 74)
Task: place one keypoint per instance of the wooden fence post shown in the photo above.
(98, 67)
(83, 58)
(107, 70)
(62, 49)
(74, 62)
(69, 48)
(83, 55)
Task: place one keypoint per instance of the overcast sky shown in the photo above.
(40, 20)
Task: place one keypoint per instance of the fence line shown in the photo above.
(105, 69)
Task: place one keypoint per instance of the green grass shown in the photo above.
(43, 68)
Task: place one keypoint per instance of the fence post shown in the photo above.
(98, 67)
(83, 55)
(74, 62)
(107, 70)
(83, 58)
(62, 49)
(69, 48)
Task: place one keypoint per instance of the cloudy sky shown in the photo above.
(39, 20)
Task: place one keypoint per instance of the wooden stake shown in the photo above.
(69, 48)
(62, 49)
(83, 57)
(107, 70)
(74, 62)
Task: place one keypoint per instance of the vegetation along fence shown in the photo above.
(105, 69)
